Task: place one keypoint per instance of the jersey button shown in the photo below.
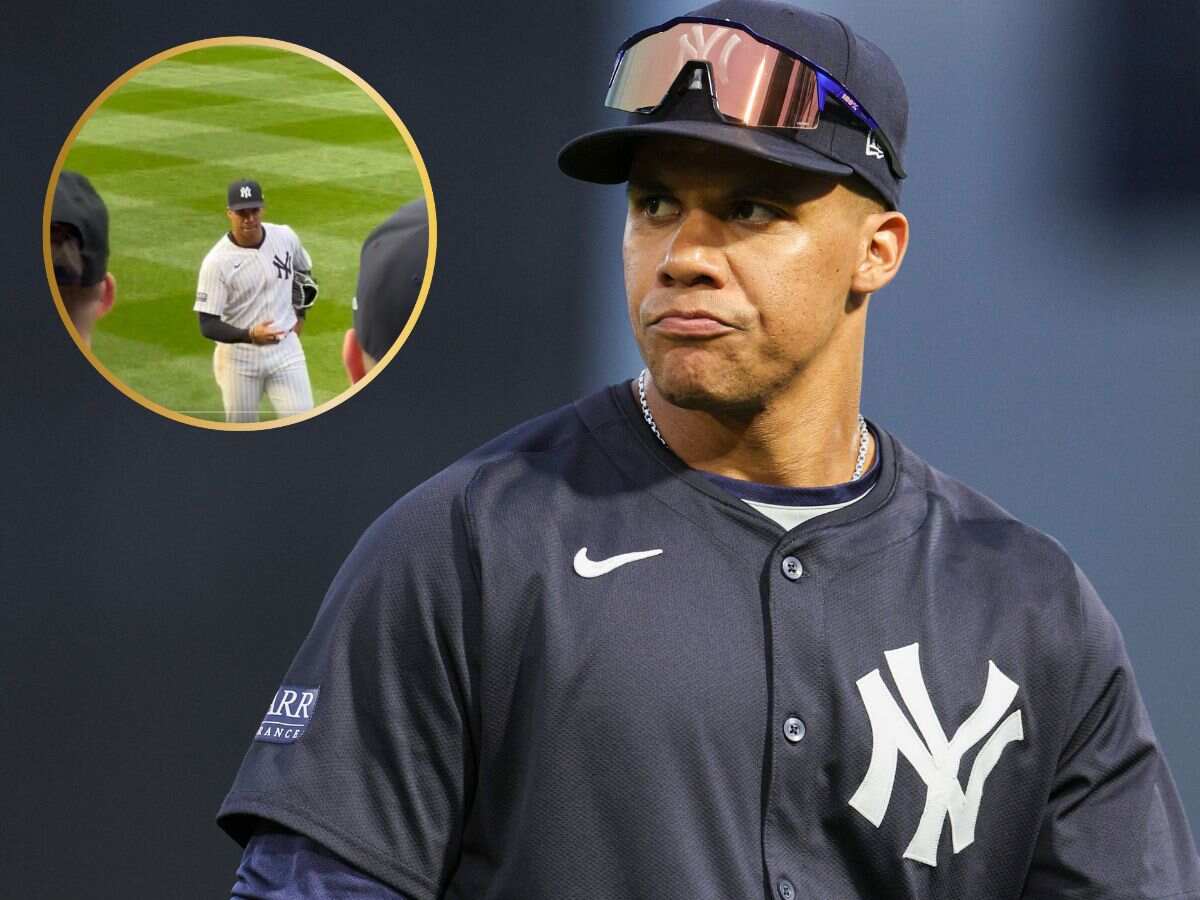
(793, 729)
(792, 569)
(786, 889)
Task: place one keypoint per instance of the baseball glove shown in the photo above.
(304, 290)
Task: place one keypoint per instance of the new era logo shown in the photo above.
(289, 714)
(873, 148)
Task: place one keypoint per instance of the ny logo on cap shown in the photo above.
(246, 192)
(935, 758)
(703, 49)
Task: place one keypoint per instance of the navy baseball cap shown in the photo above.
(244, 194)
(78, 206)
(391, 270)
(840, 144)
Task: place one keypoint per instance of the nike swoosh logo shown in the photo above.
(238, 266)
(594, 568)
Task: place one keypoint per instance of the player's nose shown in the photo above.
(694, 255)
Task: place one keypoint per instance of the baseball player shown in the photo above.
(79, 250)
(391, 269)
(708, 633)
(255, 287)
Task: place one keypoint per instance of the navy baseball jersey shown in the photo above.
(568, 666)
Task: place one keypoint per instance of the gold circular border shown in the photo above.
(242, 40)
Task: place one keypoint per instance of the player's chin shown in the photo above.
(698, 376)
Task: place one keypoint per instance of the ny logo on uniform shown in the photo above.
(934, 758)
(246, 192)
(283, 267)
(698, 47)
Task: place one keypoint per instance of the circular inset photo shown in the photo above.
(239, 233)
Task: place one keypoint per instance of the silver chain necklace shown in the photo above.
(864, 434)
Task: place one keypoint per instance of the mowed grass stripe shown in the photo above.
(193, 70)
(100, 159)
(201, 187)
(243, 149)
(172, 74)
(379, 149)
(350, 228)
(201, 139)
(326, 170)
(323, 351)
(159, 101)
(123, 203)
(283, 73)
(109, 127)
(384, 168)
(236, 113)
(344, 134)
(283, 63)
(179, 73)
(258, 87)
(349, 129)
(337, 101)
(160, 316)
(245, 56)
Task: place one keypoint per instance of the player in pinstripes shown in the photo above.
(244, 300)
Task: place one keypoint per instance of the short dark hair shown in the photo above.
(864, 189)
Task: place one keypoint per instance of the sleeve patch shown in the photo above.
(201, 297)
(289, 714)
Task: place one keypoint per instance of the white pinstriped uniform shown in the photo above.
(244, 286)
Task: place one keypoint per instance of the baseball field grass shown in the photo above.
(161, 151)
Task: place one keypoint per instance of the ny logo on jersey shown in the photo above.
(283, 267)
(698, 47)
(934, 758)
(246, 192)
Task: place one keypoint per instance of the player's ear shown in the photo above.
(108, 296)
(884, 240)
(352, 357)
